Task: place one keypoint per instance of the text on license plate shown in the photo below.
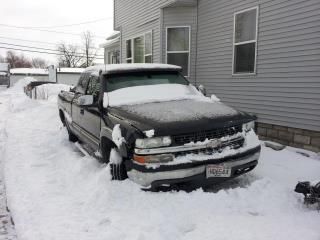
(218, 170)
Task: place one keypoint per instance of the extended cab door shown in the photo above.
(76, 108)
(90, 117)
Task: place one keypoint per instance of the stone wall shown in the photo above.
(300, 138)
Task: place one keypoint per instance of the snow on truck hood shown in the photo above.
(153, 93)
(180, 110)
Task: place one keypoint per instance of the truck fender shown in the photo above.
(107, 133)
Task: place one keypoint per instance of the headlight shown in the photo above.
(163, 158)
(248, 126)
(153, 142)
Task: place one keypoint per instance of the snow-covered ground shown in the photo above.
(6, 227)
(54, 192)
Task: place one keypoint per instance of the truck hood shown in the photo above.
(178, 117)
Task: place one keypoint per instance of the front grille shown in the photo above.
(201, 136)
(235, 144)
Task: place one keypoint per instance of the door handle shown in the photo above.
(82, 111)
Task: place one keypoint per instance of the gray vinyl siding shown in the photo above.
(135, 17)
(181, 16)
(286, 89)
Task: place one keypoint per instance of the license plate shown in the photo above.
(218, 170)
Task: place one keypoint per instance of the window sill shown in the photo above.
(243, 74)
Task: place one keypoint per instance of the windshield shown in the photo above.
(125, 80)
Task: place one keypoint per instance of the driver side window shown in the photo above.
(94, 88)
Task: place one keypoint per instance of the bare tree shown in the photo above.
(17, 61)
(39, 62)
(89, 50)
(70, 55)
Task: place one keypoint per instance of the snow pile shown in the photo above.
(50, 91)
(18, 88)
(3, 74)
(35, 71)
(251, 141)
(115, 157)
(154, 93)
(6, 227)
(117, 136)
(215, 98)
(54, 192)
(149, 133)
(70, 70)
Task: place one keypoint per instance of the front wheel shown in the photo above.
(110, 152)
(72, 137)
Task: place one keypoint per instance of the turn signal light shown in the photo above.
(163, 158)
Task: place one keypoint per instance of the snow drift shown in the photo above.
(54, 192)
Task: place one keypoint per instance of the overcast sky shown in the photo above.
(49, 14)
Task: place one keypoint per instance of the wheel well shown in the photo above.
(62, 118)
(105, 140)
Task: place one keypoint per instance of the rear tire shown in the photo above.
(118, 171)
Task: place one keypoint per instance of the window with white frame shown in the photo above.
(178, 47)
(114, 57)
(129, 51)
(245, 41)
(139, 49)
(148, 47)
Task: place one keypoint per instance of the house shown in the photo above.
(112, 48)
(4, 73)
(259, 56)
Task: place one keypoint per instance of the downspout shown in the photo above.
(121, 45)
(196, 53)
(161, 37)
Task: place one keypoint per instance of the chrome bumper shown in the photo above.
(145, 179)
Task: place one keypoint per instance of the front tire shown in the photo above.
(72, 137)
(118, 171)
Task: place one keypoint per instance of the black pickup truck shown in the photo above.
(151, 125)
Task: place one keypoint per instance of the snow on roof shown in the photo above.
(113, 35)
(126, 67)
(70, 70)
(110, 42)
(4, 67)
(112, 39)
(35, 71)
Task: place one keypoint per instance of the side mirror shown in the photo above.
(85, 100)
(202, 89)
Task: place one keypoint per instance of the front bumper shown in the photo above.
(190, 175)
